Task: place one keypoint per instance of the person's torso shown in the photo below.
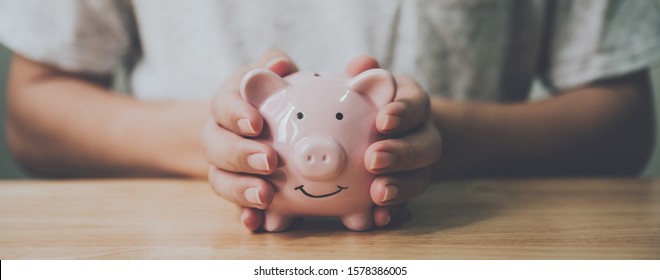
(475, 49)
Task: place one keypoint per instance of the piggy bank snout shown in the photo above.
(319, 158)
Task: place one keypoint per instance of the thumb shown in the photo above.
(277, 61)
(361, 64)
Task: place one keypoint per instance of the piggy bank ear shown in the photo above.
(377, 84)
(259, 84)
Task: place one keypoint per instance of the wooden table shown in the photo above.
(178, 219)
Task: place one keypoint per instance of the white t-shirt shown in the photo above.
(464, 49)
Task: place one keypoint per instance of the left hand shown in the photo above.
(413, 144)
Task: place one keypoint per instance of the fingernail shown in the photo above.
(391, 191)
(274, 61)
(244, 216)
(245, 126)
(252, 195)
(380, 160)
(390, 122)
(387, 220)
(258, 161)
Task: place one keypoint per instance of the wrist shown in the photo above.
(165, 138)
(463, 148)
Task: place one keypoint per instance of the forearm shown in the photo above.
(62, 126)
(595, 130)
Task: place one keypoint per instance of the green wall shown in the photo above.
(653, 168)
(7, 168)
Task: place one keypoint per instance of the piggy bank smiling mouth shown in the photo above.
(302, 189)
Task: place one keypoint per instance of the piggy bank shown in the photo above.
(320, 125)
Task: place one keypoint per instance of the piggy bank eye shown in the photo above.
(300, 115)
(339, 116)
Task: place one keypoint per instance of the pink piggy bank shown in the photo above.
(320, 125)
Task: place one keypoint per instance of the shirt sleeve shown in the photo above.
(72, 35)
(596, 39)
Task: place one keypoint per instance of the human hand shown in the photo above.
(233, 157)
(413, 143)
(236, 160)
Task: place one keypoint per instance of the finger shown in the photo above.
(391, 215)
(361, 64)
(276, 61)
(252, 218)
(382, 215)
(230, 152)
(419, 149)
(399, 187)
(233, 113)
(410, 108)
(240, 189)
(237, 115)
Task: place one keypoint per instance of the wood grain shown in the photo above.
(178, 219)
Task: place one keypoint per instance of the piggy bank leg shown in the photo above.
(274, 221)
(359, 221)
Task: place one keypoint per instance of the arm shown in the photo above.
(605, 128)
(61, 124)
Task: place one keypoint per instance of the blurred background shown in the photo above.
(8, 169)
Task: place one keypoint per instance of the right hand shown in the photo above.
(235, 159)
